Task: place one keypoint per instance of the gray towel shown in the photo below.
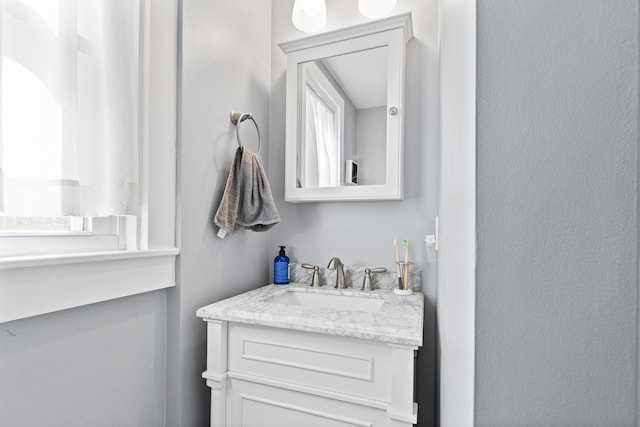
(247, 199)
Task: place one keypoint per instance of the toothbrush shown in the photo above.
(400, 286)
(405, 280)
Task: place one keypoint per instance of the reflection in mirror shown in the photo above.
(343, 120)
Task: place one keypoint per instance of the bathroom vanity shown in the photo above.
(291, 355)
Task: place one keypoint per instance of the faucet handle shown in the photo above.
(315, 279)
(366, 283)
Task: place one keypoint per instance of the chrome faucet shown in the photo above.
(335, 263)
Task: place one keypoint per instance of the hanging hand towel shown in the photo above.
(247, 199)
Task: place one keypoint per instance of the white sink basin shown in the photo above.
(325, 300)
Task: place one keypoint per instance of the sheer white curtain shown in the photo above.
(322, 144)
(70, 94)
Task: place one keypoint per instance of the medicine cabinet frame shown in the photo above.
(393, 33)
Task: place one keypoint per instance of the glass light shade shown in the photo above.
(376, 8)
(309, 15)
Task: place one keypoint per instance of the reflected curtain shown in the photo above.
(70, 107)
(322, 144)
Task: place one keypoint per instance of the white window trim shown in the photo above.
(456, 211)
(39, 284)
(116, 232)
(34, 285)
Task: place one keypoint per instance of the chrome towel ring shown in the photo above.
(237, 118)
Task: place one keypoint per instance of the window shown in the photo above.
(80, 237)
(69, 151)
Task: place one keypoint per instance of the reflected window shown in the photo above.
(322, 139)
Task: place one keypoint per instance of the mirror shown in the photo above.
(344, 117)
(342, 104)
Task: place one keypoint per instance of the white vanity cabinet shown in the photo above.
(261, 375)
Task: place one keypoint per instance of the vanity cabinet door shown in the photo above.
(333, 363)
(251, 404)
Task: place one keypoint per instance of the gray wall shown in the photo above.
(372, 145)
(97, 365)
(557, 169)
(224, 67)
(362, 233)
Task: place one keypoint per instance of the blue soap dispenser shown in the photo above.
(281, 268)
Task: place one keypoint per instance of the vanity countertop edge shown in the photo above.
(399, 320)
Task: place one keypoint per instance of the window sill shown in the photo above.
(34, 285)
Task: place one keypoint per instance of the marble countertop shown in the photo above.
(399, 319)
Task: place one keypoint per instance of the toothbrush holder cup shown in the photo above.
(404, 273)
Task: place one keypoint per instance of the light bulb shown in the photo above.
(376, 8)
(311, 8)
(309, 15)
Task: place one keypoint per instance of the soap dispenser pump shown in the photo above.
(281, 268)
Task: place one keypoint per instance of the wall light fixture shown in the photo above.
(376, 8)
(309, 15)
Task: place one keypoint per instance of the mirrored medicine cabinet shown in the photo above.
(345, 113)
